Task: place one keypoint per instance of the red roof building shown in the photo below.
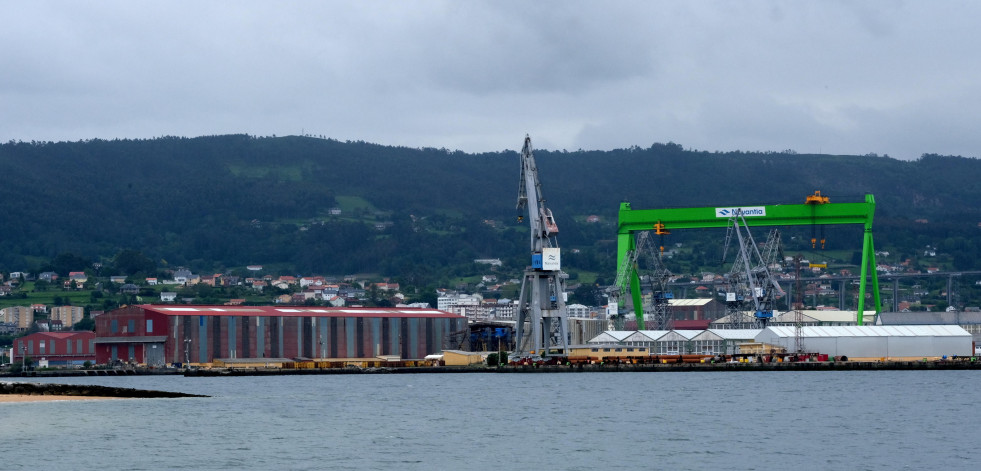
(158, 335)
(58, 348)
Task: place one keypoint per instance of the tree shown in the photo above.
(373, 294)
(427, 296)
(587, 294)
(131, 262)
(66, 263)
(24, 365)
(86, 323)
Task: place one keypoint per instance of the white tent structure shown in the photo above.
(914, 341)
(612, 336)
(646, 338)
(677, 342)
(723, 341)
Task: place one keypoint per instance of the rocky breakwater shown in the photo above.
(84, 390)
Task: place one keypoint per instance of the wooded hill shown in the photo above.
(422, 215)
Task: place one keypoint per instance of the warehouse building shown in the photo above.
(875, 342)
(683, 311)
(158, 335)
(612, 336)
(969, 320)
(56, 348)
(809, 317)
(854, 342)
(722, 341)
(644, 338)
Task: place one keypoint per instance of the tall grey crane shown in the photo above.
(751, 268)
(542, 302)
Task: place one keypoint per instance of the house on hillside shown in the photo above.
(387, 286)
(129, 288)
(182, 276)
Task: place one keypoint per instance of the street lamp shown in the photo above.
(23, 357)
(187, 352)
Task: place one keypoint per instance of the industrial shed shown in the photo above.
(645, 338)
(809, 317)
(600, 351)
(676, 342)
(56, 348)
(722, 341)
(157, 335)
(461, 358)
(612, 336)
(874, 342)
(969, 320)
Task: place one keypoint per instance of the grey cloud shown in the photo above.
(843, 77)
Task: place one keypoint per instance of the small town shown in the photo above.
(696, 307)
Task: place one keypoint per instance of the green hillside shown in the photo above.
(422, 215)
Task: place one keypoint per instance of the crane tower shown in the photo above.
(761, 286)
(541, 304)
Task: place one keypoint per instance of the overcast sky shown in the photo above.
(901, 78)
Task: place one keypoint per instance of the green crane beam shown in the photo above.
(631, 220)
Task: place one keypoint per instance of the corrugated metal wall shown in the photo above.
(310, 337)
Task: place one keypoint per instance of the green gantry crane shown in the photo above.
(817, 210)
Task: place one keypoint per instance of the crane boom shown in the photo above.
(530, 198)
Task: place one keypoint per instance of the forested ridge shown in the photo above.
(216, 203)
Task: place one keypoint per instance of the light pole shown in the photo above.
(187, 352)
(23, 357)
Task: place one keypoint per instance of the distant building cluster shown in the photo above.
(21, 318)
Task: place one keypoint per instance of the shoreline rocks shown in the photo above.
(85, 390)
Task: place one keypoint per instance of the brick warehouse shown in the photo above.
(158, 335)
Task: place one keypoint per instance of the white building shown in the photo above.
(469, 305)
(577, 310)
(875, 342)
(504, 309)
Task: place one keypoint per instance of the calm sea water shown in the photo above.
(755, 420)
